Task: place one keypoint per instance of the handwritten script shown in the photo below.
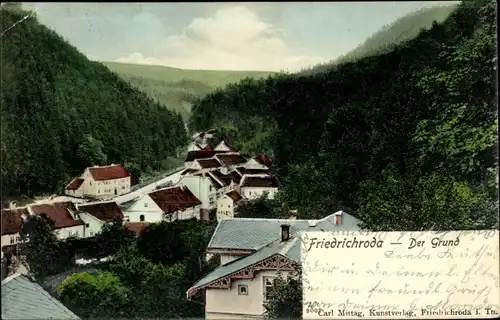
(404, 275)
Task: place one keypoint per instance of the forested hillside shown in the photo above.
(177, 88)
(62, 112)
(405, 140)
(391, 35)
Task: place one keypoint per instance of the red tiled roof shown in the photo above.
(75, 184)
(209, 163)
(236, 176)
(264, 159)
(12, 221)
(109, 172)
(58, 212)
(136, 227)
(172, 199)
(231, 159)
(201, 154)
(244, 170)
(261, 182)
(224, 178)
(235, 195)
(104, 211)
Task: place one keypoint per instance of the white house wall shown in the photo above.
(202, 188)
(76, 231)
(255, 192)
(7, 237)
(217, 306)
(225, 208)
(92, 225)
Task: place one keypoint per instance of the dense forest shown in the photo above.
(404, 139)
(62, 113)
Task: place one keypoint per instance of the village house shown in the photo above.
(204, 187)
(96, 214)
(262, 161)
(254, 171)
(66, 218)
(100, 182)
(227, 204)
(12, 222)
(252, 252)
(199, 154)
(230, 161)
(194, 146)
(166, 204)
(205, 165)
(254, 186)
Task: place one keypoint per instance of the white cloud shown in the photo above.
(235, 38)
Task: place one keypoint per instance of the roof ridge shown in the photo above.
(11, 277)
(95, 202)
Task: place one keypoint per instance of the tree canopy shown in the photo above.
(62, 112)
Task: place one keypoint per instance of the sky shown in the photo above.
(268, 36)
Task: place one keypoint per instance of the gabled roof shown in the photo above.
(209, 163)
(23, 298)
(236, 176)
(58, 212)
(231, 159)
(235, 195)
(105, 211)
(252, 234)
(288, 249)
(224, 143)
(226, 179)
(264, 159)
(253, 171)
(201, 154)
(12, 221)
(116, 171)
(259, 182)
(75, 184)
(173, 199)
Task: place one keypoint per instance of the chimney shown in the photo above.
(338, 218)
(292, 215)
(12, 205)
(285, 232)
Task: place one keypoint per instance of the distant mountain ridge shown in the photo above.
(389, 36)
(178, 88)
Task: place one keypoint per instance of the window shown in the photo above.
(18, 238)
(90, 182)
(141, 217)
(242, 289)
(229, 206)
(250, 193)
(91, 233)
(210, 188)
(268, 287)
(146, 205)
(87, 225)
(12, 239)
